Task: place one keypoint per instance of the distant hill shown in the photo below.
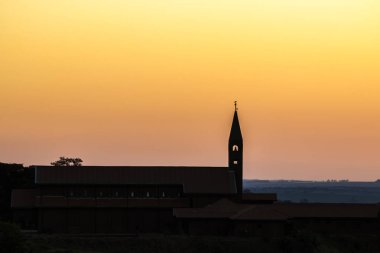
(331, 191)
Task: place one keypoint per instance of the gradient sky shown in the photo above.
(144, 82)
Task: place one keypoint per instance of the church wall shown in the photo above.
(167, 222)
(259, 228)
(207, 227)
(26, 218)
(105, 220)
(81, 221)
(202, 201)
(53, 220)
(111, 220)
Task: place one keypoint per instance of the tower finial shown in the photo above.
(235, 103)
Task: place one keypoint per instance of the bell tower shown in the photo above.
(235, 151)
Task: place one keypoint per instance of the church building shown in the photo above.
(172, 199)
(125, 199)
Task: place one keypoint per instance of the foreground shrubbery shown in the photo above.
(301, 241)
(13, 241)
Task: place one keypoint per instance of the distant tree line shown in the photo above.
(12, 176)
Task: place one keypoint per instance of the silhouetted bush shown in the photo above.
(11, 239)
(12, 176)
(302, 241)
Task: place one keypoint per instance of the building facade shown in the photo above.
(162, 199)
(125, 199)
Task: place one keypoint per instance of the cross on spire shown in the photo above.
(235, 103)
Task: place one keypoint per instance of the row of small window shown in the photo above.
(131, 194)
(116, 194)
(154, 191)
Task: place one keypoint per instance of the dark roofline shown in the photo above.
(132, 166)
(195, 180)
(277, 211)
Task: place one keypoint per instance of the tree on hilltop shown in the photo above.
(67, 161)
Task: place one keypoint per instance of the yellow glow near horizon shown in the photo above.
(153, 82)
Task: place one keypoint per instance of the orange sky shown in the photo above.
(153, 83)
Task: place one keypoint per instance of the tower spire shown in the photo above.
(235, 151)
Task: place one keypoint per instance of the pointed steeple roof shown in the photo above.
(235, 129)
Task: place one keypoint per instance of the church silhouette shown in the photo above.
(170, 199)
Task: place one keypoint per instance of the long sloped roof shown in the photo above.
(226, 209)
(197, 180)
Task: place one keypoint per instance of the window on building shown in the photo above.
(235, 162)
(235, 148)
(147, 194)
(170, 191)
(116, 194)
(132, 194)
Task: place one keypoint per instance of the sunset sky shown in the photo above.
(152, 82)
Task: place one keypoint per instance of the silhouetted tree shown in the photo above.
(67, 161)
(12, 176)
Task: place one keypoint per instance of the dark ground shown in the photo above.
(13, 241)
(303, 241)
